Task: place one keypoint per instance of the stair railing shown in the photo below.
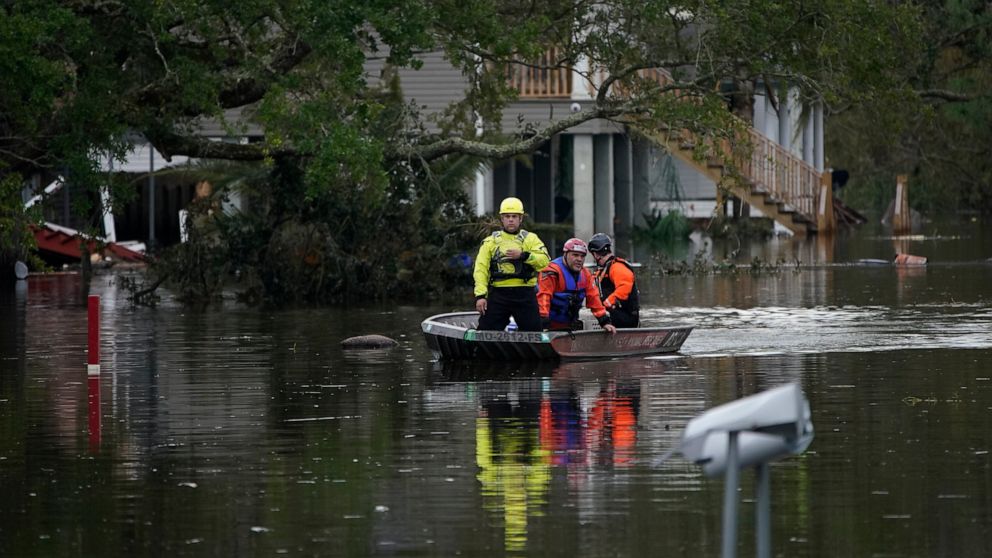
(774, 169)
(770, 168)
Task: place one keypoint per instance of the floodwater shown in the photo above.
(234, 431)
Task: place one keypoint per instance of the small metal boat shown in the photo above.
(453, 336)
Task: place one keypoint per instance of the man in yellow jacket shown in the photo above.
(506, 273)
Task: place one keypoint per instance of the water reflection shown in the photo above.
(535, 417)
(513, 469)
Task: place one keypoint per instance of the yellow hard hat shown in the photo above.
(511, 205)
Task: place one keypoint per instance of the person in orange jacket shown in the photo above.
(564, 285)
(617, 287)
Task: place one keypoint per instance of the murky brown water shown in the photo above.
(245, 432)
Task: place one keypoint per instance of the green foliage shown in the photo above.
(16, 240)
(663, 231)
(725, 227)
(90, 74)
(702, 265)
(294, 244)
(940, 134)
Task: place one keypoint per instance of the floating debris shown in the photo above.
(369, 342)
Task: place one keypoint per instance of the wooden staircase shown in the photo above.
(772, 180)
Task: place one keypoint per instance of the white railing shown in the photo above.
(774, 169)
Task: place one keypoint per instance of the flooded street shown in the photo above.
(234, 431)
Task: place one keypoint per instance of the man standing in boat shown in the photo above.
(506, 273)
(563, 287)
(617, 287)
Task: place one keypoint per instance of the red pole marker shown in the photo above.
(93, 356)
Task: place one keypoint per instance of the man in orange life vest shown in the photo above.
(562, 288)
(617, 287)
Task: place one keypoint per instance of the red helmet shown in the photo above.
(575, 245)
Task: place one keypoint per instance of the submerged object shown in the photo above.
(453, 336)
(907, 259)
(368, 342)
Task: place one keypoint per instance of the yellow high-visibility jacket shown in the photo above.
(493, 269)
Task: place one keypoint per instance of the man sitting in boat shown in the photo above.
(563, 287)
(506, 273)
(617, 287)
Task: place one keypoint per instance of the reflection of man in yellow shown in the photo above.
(513, 471)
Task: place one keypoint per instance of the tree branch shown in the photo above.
(945, 95)
(170, 144)
(239, 91)
(449, 146)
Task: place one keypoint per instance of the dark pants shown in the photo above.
(519, 302)
(623, 318)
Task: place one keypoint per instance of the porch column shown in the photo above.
(818, 135)
(488, 202)
(107, 208)
(583, 195)
(542, 180)
(623, 184)
(784, 108)
(504, 181)
(760, 113)
(640, 159)
(808, 140)
(603, 183)
(479, 192)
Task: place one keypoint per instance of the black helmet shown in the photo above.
(600, 243)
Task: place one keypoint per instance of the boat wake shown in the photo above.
(763, 331)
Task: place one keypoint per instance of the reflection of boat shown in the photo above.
(452, 370)
(454, 336)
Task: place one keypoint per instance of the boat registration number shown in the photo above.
(514, 336)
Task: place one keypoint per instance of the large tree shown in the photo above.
(81, 77)
(940, 131)
(78, 75)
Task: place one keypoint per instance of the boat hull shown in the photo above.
(626, 342)
(453, 336)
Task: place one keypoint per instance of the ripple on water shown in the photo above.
(745, 332)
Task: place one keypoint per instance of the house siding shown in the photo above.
(239, 119)
(432, 88)
(437, 84)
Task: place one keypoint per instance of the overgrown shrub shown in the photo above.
(411, 240)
